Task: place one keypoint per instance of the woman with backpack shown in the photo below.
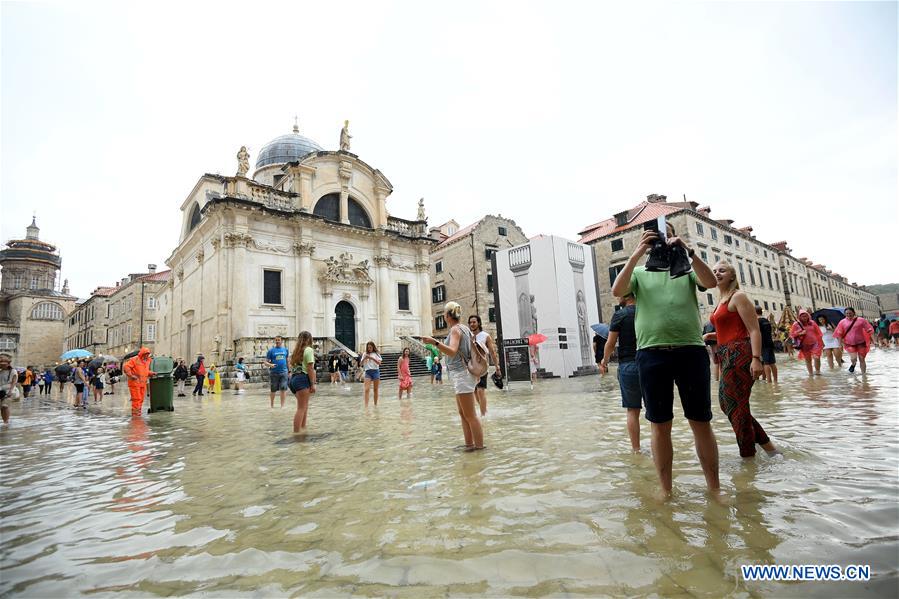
(459, 348)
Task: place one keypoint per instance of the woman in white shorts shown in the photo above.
(457, 348)
(832, 347)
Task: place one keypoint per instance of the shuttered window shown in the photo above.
(271, 287)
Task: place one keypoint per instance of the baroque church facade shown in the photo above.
(307, 243)
(33, 307)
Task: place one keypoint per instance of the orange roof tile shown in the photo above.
(639, 214)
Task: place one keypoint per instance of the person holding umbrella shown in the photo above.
(534, 354)
(137, 369)
(832, 346)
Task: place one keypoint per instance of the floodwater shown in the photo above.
(219, 499)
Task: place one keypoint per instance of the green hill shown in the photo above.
(883, 288)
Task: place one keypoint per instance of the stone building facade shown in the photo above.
(771, 276)
(461, 268)
(133, 314)
(86, 326)
(306, 244)
(616, 238)
(33, 308)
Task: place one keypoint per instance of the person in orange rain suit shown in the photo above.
(137, 369)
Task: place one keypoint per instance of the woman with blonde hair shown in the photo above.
(739, 342)
(302, 378)
(371, 366)
(457, 348)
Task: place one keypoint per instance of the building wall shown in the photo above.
(710, 240)
(87, 326)
(124, 321)
(889, 302)
(40, 341)
(467, 270)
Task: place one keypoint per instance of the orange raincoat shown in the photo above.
(139, 368)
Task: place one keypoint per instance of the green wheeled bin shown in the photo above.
(162, 386)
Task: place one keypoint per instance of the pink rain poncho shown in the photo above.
(855, 335)
(812, 341)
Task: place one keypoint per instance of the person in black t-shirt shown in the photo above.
(621, 330)
(768, 360)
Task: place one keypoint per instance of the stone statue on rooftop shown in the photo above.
(243, 162)
(345, 137)
(421, 210)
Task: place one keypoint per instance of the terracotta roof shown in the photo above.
(157, 276)
(104, 291)
(457, 235)
(639, 214)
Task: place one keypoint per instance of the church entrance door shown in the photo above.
(345, 324)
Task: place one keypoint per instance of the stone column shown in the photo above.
(424, 296)
(345, 173)
(385, 305)
(328, 297)
(305, 250)
(239, 305)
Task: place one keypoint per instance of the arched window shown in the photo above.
(194, 217)
(328, 206)
(46, 311)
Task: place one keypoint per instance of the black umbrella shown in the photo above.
(95, 363)
(833, 315)
(129, 355)
(63, 369)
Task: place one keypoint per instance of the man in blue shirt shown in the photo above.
(276, 360)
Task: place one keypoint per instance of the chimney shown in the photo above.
(124, 281)
(151, 268)
(655, 198)
(704, 210)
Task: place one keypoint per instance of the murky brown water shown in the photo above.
(219, 499)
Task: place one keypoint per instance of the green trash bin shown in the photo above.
(162, 386)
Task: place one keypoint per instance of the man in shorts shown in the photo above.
(768, 360)
(670, 351)
(9, 378)
(483, 337)
(276, 360)
(621, 330)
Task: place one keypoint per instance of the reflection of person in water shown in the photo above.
(129, 498)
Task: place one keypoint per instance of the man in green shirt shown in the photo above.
(670, 351)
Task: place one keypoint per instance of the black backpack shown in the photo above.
(194, 369)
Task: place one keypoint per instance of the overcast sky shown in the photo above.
(558, 115)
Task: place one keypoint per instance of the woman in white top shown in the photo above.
(457, 348)
(832, 347)
(371, 365)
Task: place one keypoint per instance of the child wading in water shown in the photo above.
(211, 376)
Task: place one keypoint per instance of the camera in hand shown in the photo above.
(662, 256)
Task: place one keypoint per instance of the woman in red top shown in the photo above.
(740, 356)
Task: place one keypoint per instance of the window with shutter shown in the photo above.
(402, 291)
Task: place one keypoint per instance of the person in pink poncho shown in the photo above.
(405, 374)
(811, 341)
(855, 333)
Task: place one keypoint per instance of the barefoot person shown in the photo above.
(832, 347)
(484, 338)
(9, 378)
(621, 331)
(371, 366)
(276, 360)
(670, 351)
(302, 378)
(806, 334)
(740, 355)
(768, 359)
(404, 373)
(457, 348)
(855, 333)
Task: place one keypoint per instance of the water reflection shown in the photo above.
(220, 498)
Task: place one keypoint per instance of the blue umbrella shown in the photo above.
(601, 329)
(75, 353)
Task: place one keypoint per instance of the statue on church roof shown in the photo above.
(243, 162)
(421, 210)
(345, 137)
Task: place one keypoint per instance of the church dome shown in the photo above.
(286, 148)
